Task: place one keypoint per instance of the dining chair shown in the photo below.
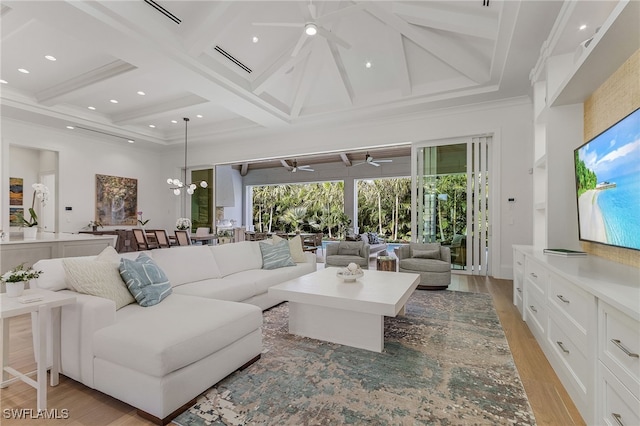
(162, 238)
(202, 231)
(183, 238)
(143, 243)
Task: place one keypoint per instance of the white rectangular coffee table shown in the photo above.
(322, 306)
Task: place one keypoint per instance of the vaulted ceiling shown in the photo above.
(236, 66)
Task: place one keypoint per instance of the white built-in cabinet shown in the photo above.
(585, 314)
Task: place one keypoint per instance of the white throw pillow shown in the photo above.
(97, 278)
(295, 247)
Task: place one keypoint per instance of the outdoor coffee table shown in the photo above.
(322, 306)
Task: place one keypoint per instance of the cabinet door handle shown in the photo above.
(518, 289)
(533, 275)
(619, 344)
(533, 308)
(519, 263)
(565, 350)
(618, 418)
(561, 297)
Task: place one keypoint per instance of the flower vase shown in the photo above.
(15, 289)
(29, 232)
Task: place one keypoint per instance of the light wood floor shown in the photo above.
(549, 401)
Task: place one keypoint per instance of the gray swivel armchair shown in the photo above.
(432, 261)
(345, 252)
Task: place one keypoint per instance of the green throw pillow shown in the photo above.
(145, 280)
(276, 255)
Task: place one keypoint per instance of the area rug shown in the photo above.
(445, 362)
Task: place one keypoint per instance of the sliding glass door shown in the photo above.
(451, 198)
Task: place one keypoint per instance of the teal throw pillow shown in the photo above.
(276, 255)
(145, 280)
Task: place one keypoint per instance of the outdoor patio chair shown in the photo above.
(343, 253)
(432, 261)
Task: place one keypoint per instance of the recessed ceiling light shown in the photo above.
(23, 71)
(582, 27)
(152, 126)
(199, 115)
(4, 82)
(131, 141)
(141, 93)
(368, 64)
(70, 127)
(51, 58)
(174, 121)
(113, 101)
(255, 39)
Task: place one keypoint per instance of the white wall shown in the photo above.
(80, 159)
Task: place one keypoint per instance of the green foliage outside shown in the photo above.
(585, 179)
(384, 206)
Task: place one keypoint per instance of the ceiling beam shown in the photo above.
(468, 24)
(310, 76)
(345, 159)
(403, 78)
(277, 69)
(204, 33)
(151, 112)
(244, 169)
(54, 94)
(338, 66)
(451, 53)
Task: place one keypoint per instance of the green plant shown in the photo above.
(20, 273)
(94, 224)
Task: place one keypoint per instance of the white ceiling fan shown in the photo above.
(312, 26)
(369, 160)
(293, 167)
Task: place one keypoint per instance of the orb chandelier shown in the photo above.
(178, 185)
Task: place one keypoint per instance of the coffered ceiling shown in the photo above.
(226, 66)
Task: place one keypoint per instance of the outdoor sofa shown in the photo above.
(160, 358)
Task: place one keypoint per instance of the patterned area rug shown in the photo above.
(446, 362)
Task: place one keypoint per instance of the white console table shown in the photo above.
(48, 245)
(585, 314)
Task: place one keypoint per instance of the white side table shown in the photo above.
(45, 310)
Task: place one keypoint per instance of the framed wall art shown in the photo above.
(116, 200)
(16, 192)
(15, 213)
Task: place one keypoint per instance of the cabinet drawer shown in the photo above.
(536, 276)
(518, 297)
(572, 356)
(572, 303)
(617, 405)
(518, 260)
(535, 314)
(619, 346)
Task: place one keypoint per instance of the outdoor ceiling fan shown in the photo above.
(293, 167)
(369, 160)
(312, 26)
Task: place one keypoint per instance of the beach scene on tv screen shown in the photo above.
(608, 184)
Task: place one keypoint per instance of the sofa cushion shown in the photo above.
(423, 247)
(350, 248)
(102, 279)
(145, 280)
(236, 257)
(185, 264)
(262, 279)
(175, 333)
(426, 254)
(229, 288)
(424, 265)
(276, 255)
(295, 247)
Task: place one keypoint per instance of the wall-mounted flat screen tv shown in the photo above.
(608, 185)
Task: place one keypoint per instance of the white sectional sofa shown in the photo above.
(160, 358)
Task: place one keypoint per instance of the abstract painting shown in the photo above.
(15, 213)
(16, 191)
(116, 200)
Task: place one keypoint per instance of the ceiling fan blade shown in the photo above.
(384, 161)
(278, 24)
(305, 170)
(299, 44)
(313, 11)
(334, 38)
(340, 13)
(358, 164)
(373, 163)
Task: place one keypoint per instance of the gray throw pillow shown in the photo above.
(145, 280)
(350, 248)
(276, 255)
(426, 254)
